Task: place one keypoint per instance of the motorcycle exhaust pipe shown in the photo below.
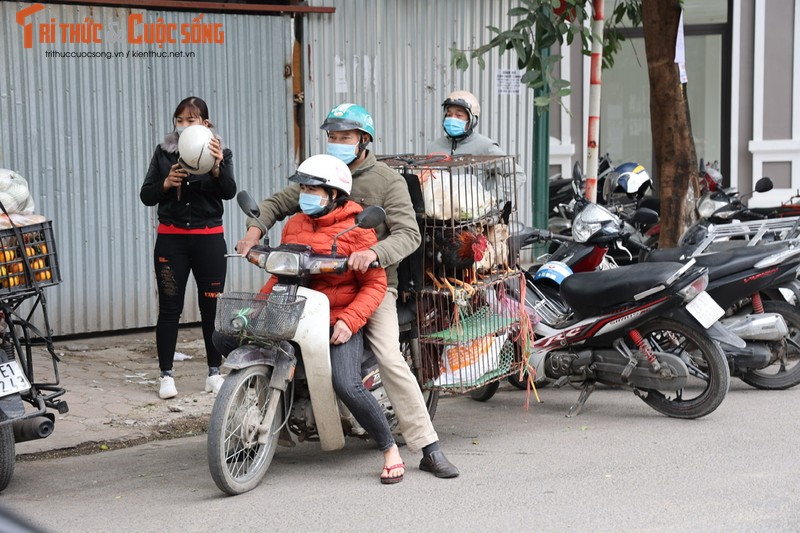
(753, 356)
(34, 428)
(760, 327)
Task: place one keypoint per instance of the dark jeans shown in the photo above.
(346, 377)
(175, 256)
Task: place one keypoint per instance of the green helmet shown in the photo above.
(349, 117)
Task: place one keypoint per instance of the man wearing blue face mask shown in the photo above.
(461, 114)
(350, 129)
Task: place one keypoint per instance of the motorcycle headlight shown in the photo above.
(283, 264)
(707, 206)
(725, 214)
(590, 220)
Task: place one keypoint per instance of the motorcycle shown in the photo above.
(280, 381)
(18, 337)
(769, 328)
(642, 327)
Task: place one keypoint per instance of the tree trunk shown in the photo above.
(675, 158)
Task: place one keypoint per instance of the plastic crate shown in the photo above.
(38, 247)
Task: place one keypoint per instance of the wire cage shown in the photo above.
(259, 316)
(468, 320)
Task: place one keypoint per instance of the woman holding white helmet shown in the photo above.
(188, 188)
(325, 183)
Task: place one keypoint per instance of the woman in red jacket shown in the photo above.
(325, 183)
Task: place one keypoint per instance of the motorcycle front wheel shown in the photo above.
(236, 459)
(7, 453)
(784, 372)
(709, 375)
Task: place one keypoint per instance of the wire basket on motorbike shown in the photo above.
(259, 316)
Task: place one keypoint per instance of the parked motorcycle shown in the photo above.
(28, 263)
(644, 327)
(770, 328)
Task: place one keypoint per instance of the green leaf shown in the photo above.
(518, 12)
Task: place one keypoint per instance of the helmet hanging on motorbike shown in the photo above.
(630, 178)
(469, 103)
(324, 170)
(194, 155)
(554, 271)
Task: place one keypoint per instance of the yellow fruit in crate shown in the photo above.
(16, 267)
(43, 248)
(7, 255)
(3, 271)
(29, 251)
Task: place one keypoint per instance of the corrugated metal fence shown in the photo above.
(393, 57)
(82, 130)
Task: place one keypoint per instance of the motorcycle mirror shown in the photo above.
(644, 215)
(250, 208)
(577, 172)
(247, 204)
(763, 185)
(371, 217)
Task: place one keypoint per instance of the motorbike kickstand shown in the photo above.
(576, 407)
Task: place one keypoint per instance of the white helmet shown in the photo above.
(468, 101)
(194, 154)
(326, 171)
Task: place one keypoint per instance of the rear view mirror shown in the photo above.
(371, 217)
(247, 204)
(763, 185)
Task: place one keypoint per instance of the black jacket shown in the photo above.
(200, 205)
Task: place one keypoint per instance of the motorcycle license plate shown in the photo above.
(705, 309)
(12, 380)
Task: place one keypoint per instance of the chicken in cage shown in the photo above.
(465, 206)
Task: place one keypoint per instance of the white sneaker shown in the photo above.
(213, 383)
(167, 388)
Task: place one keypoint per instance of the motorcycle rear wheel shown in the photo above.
(785, 371)
(485, 393)
(709, 375)
(236, 460)
(7, 453)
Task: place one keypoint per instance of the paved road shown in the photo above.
(619, 466)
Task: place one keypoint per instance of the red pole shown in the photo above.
(592, 153)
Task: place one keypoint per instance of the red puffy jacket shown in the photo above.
(354, 296)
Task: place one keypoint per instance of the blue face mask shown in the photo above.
(345, 152)
(454, 127)
(311, 204)
(179, 129)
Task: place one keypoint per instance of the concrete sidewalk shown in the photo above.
(111, 387)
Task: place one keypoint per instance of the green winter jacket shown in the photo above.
(374, 183)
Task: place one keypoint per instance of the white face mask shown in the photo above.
(179, 129)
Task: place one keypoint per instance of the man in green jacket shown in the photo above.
(350, 129)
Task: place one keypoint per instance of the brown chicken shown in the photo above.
(452, 254)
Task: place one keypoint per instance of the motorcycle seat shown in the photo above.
(590, 292)
(724, 263)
